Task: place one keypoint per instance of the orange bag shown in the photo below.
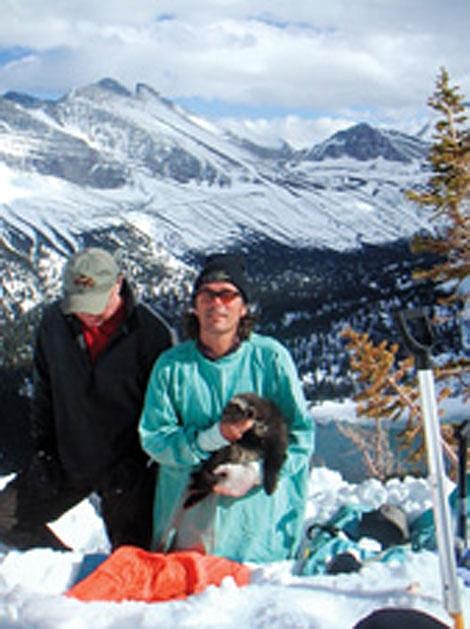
(133, 574)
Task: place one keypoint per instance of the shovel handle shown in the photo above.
(420, 343)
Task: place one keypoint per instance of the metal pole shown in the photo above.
(442, 519)
(419, 344)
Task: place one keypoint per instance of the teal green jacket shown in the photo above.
(186, 395)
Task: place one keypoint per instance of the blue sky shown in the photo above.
(297, 70)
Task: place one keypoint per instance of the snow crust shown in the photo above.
(32, 583)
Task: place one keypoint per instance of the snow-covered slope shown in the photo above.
(102, 155)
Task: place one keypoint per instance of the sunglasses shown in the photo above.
(226, 295)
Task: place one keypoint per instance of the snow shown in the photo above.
(334, 203)
(32, 583)
(332, 410)
(332, 217)
(453, 410)
(12, 185)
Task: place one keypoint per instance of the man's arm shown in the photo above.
(45, 468)
(42, 415)
(161, 433)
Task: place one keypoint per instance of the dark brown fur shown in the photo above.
(266, 441)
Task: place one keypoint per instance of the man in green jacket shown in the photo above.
(180, 427)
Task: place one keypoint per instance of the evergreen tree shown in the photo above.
(387, 389)
(447, 192)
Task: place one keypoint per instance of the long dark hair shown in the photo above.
(191, 325)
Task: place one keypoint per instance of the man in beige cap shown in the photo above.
(94, 351)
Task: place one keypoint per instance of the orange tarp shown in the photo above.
(133, 574)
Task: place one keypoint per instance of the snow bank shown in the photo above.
(32, 583)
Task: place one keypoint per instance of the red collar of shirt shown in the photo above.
(97, 337)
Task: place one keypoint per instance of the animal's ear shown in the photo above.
(241, 403)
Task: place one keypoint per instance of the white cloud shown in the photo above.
(339, 57)
(298, 132)
(302, 132)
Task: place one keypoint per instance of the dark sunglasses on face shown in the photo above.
(226, 295)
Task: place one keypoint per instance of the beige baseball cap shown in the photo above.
(89, 276)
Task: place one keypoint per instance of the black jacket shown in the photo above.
(85, 415)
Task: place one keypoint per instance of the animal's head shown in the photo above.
(246, 406)
(238, 408)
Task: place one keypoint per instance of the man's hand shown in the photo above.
(233, 431)
(237, 479)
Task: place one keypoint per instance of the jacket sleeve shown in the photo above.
(42, 414)
(162, 433)
(288, 395)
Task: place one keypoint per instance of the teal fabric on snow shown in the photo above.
(341, 534)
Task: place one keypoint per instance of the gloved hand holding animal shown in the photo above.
(257, 437)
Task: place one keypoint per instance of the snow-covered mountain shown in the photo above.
(103, 158)
(102, 154)
(364, 143)
(106, 163)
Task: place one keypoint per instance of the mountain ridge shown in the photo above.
(102, 140)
